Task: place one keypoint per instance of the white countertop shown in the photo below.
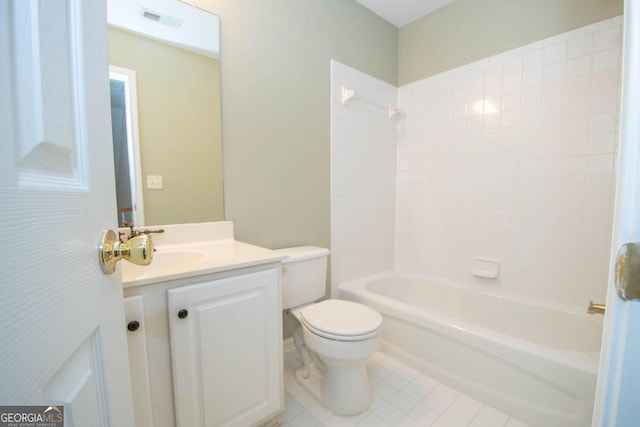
(175, 260)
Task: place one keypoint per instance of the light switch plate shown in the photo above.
(154, 182)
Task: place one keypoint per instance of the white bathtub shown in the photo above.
(532, 361)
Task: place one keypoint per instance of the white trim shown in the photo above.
(618, 361)
(128, 77)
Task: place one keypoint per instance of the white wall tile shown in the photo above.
(512, 65)
(611, 38)
(511, 156)
(534, 177)
(493, 87)
(599, 184)
(493, 70)
(603, 143)
(533, 59)
(512, 83)
(475, 92)
(533, 77)
(578, 86)
(603, 123)
(605, 81)
(580, 46)
(578, 66)
(363, 171)
(555, 53)
(555, 72)
(606, 60)
(600, 164)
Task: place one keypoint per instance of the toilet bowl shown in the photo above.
(334, 337)
(343, 335)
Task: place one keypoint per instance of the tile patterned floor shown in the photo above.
(402, 397)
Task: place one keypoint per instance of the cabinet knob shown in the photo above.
(133, 326)
(183, 313)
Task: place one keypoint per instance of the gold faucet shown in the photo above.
(596, 308)
(133, 233)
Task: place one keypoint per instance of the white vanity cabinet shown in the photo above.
(226, 350)
(138, 360)
(213, 347)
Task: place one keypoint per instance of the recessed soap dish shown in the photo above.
(487, 268)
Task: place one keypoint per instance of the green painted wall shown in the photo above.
(276, 112)
(468, 30)
(276, 109)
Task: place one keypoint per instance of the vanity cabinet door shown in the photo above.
(138, 360)
(226, 349)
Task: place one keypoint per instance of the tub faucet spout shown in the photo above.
(596, 308)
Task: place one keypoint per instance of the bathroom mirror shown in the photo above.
(164, 57)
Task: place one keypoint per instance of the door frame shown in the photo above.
(128, 77)
(620, 349)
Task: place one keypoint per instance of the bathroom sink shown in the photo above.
(184, 252)
(164, 262)
(176, 258)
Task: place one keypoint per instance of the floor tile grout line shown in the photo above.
(382, 359)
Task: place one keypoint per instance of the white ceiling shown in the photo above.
(403, 12)
(195, 30)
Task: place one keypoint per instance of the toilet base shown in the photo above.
(345, 392)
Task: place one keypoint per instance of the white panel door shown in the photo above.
(617, 402)
(226, 350)
(63, 333)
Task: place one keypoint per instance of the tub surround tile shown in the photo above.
(363, 174)
(537, 142)
(511, 157)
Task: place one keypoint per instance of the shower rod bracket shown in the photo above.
(347, 95)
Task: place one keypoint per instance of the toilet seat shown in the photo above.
(341, 320)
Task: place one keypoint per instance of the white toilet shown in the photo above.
(341, 334)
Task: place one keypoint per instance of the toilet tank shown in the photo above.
(304, 275)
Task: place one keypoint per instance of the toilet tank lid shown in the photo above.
(301, 253)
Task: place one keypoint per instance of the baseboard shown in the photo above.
(288, 345)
